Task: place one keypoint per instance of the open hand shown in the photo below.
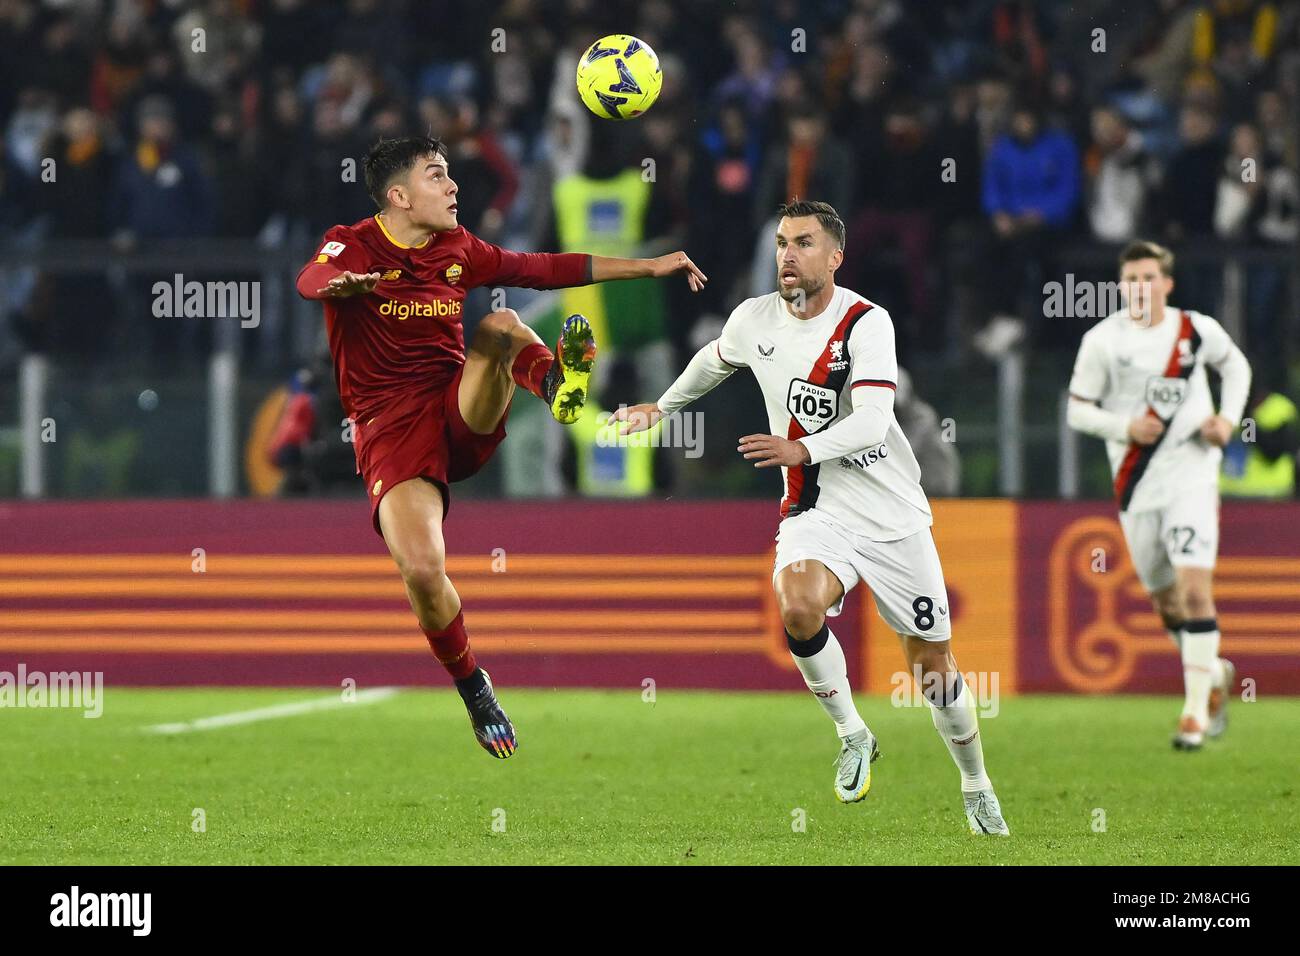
(638, 417)
(349, 283)
(679, 262)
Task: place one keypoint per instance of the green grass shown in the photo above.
(602, 777)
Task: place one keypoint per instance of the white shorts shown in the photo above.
(1184, 533)
(904, 576)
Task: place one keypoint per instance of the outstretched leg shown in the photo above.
(505, 352)
(410, 516)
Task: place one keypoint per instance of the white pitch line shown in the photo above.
(368, 696)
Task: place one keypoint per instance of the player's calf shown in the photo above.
(952, 710)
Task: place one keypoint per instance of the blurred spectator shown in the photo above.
(234, 165)
(935, 453)
(1191, 178)
(160, 191)
(723, 179)
(118, 66)
(1239, 197)
(895, 184)
(1189, 193)
(1256, 204)
(808, 164)
(1273, 119)
(163, 76)
(293, 446)
(75, 207)
(485, 176)
(753, 82)
(1031, 190)
(1120, 175)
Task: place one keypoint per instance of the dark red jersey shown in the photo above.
(405, 339)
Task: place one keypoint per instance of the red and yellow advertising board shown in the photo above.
(575, 593)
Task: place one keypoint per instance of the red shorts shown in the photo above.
(423, 438)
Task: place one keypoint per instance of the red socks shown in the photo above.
(451, 648)
(531, 366)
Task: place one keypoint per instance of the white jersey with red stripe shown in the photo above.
(807, 369)
(1130, 367)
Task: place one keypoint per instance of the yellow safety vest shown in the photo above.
(610, 466)
(1246, 472)
(605, 217)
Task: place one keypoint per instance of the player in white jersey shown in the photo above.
(1139, 382)
(853, 507)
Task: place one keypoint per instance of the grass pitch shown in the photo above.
(601, 777)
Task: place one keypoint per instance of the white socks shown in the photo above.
(1201, 667)
(821, 661)
(953, 711)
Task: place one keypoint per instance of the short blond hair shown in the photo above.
(1144, 249)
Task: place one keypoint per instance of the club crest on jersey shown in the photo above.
(453, 272)
(837, 363)
(1165, 395)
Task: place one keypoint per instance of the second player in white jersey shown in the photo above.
(1127, 367)
(813, 373)
(1140, 383)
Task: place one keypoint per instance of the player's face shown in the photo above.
(428, 194)
(1145, 288)
(806, 257)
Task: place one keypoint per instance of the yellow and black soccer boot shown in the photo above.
(568, 381)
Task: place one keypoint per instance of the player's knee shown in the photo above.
(425, 576)
(499, 324)
(802, 618)
(1198, 603)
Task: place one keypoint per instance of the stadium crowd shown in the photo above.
(965, 143)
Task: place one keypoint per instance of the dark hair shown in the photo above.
(825, 213)
(1143, 249)
(390, 158)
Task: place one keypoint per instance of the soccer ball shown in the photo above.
(619, 77)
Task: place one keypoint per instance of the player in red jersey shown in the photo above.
(426, 411)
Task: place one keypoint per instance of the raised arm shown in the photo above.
(337, 270)
(605, 269)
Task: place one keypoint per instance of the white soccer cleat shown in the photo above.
(983, 813)
(853, 766)
(1190, 734)
(1219, 701)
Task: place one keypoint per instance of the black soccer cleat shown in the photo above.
(492, 728)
